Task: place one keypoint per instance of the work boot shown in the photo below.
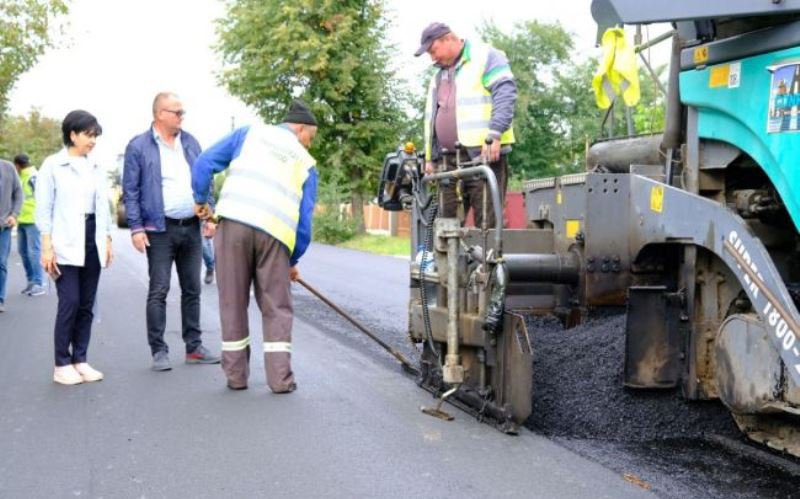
(87, 372)
(67, 375)
(231, 386)
(289, 389)
(209, 278)
(201, 355)
(37, 290)
(161, 361)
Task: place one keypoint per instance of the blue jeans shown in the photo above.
(208, 252)
(5, 250)
(179, 244)
(29, 247)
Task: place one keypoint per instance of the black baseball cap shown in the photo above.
(433, 32)
(22, 160)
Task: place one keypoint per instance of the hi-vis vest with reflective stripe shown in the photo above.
(473, 100)
(264, 184)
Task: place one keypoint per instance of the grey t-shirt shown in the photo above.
(445, 125)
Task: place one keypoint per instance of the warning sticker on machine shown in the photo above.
(657, 199)
(719, 75)
(735, 75)
(725, 76)
(572, 228)
(784, 98)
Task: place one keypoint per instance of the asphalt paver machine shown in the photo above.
(694, 231)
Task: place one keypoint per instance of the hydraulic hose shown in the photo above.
(487, 173)
(426, 317)
(422, 203)
(497, 302)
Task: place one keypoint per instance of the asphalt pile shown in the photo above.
(578, 389)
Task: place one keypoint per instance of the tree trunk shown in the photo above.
(357, 199)
(357, 209)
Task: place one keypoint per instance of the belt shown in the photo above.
(182, 221)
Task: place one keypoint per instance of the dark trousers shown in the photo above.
(180, 243)
(472, 192)
(77, 289)
(250, 257)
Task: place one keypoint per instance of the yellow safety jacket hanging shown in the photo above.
(264, 184)
(618, 72)
(473, 99)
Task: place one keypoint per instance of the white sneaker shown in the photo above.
(67, 375)
(88, 373)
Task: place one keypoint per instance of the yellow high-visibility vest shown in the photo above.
(264, 184)
(473, 99)
(618, 72)
(27, 177)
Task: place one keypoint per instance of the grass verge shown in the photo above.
(381, 245)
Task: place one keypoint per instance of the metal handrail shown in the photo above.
(488, 174)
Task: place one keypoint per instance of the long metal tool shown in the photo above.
(397, 355)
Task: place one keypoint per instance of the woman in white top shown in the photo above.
(74, 219)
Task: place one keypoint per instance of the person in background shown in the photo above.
(157, 191)
(208, 250)
(265, 211)
(10, 205)
(74, 218)
(28, 243)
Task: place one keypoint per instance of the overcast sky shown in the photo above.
(118, 54)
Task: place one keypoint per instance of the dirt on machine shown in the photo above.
(692, 232)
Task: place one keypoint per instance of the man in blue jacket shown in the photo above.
(157, 192)
(265, 207)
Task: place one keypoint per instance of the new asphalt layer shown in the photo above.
(352, 429)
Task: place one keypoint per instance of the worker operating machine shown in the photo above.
(694, 231)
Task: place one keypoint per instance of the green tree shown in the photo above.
(35, 135)
(538, 53)
(556, 117)
(648, 114)
(333, 55)
(581, 118)
(26, 27)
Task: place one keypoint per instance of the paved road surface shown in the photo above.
(353, 428)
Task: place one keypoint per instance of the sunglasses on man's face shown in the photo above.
(180, 113)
